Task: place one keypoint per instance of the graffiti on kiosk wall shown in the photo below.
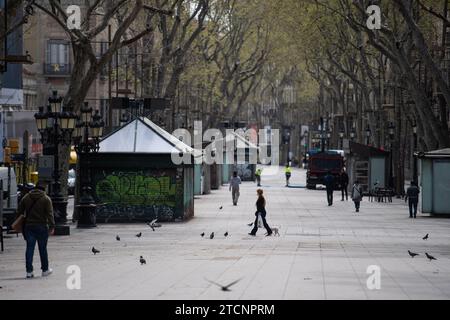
(244, 170)
(138, 195)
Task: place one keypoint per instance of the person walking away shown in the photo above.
(37, 208)
(258, 174)
(344, 184)
(234, 187)
(357, 195)
(412, 196)
(288, 173)
(261, 211)
(329, 184)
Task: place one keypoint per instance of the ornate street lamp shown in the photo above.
(88, 132)
(352, 134)
(368, 134)
(341, 136)
(56, 128)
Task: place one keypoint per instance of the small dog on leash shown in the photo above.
(275, 231)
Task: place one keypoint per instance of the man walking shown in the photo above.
(412, 194)
(344, 184)
(234, 187)
(37, 208)
(258, 176)
(329, 184)
(288, 173)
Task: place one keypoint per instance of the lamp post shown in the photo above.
(341, 137)
(415, 174)
(352, 134)
(391, 130)
(56, 128)
(89, 130)
(368, 135)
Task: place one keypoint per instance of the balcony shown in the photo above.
(57, 69)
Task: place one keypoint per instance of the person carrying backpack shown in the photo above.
(39, 222)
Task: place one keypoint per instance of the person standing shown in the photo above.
(344, 184)
(260, 210)
(412, 194)
(37, 208)
(329, 184)
(357, 195)
(288, 173)
(258, 174)
(234, 187)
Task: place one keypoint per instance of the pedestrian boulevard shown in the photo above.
(322, 252)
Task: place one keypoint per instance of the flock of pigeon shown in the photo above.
(153, 224)
(212, 235)
(429, 256)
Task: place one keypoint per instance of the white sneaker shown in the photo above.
(47, 273)
(30, 275)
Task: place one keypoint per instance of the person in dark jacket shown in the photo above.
(260, 210)
(344, 184)
(37, 208)
(329, 184)
(412, 194)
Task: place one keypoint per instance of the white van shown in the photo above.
(13, 187)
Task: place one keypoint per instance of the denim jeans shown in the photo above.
(33, 234)
(413, 208)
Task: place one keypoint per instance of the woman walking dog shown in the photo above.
(260, 210)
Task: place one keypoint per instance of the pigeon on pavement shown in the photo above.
(95, 251)
(203, 234)
(430, 256)
(224, 288)
(142, 261)
(426, 237)
(117, 238)
(226, 234)
(221, 207)
(250, 224)
(139, 235)
(211, 236)
(412, 254)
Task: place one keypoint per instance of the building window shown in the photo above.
(57, 62)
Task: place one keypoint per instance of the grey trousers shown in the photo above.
(235, 193)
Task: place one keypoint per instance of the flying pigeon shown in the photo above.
(95, 251)
(224, 288)
(412, 254)
(430, 256)
(226, 234)
(117, 238)
(142, 261)
(211, 236)
(426, 237)
(139, 235)
(203, 234)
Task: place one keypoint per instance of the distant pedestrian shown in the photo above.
(288, 173)
(37, 208)
(234, 187)
(357, 195)
(412, 196)
(260, 211)
(344, 184)
(258, 174)
(329, 184)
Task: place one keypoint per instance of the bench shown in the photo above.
(381, 195)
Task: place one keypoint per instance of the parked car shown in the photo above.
(71, 181)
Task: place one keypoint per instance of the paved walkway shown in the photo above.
(323, 253)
